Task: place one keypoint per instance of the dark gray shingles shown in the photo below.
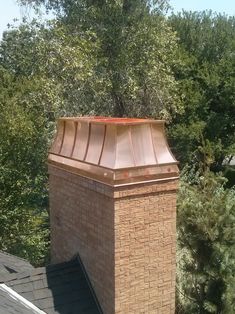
(61, 288)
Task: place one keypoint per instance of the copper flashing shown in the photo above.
(113, 150)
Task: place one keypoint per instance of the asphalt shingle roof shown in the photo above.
(10, 305)
(12, 264)
(61, 288)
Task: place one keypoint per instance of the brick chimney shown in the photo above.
(113, 185)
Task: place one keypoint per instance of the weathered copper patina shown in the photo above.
(116, 151)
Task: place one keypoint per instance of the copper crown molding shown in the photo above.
(115, 151)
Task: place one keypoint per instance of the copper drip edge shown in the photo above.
(119, 177)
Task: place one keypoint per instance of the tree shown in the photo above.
(134, 57)
(52, 57)
(205, 133)
(23, 196)
(206, 239)
(32, 95)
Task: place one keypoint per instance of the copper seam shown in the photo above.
(102, 148)
(62, 142)
(131, 144)
(115, 148)
(88, 141)
(75, 138)
(155, 155)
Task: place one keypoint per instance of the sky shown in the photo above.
(10, 10)
(222, 6)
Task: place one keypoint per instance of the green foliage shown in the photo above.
(229, 173)
(59, 63)
(207, 82)
(129, 65)
(23, 195)
(206, 239)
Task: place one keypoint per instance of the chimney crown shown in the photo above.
(116, 151)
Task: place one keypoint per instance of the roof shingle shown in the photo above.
(13, 264)
(61, 288)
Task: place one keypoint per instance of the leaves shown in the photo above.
(206, 79)
(206, 231)
(111, 58)
(23, 195)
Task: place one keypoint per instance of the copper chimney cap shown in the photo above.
(115, 151)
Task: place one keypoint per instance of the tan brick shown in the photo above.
(124, 235)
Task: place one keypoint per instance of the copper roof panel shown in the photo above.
(124, 149)
(108, 156)
(81, 141)
(142, 145)
(56, 146)
(96, 141)
(162, 151)
(69, 138)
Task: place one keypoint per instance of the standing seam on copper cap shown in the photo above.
(102, 148)
(131, 144)
(75, 138)
(151, 132)
(62, 142)
(88, 140)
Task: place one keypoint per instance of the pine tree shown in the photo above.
(206, 239)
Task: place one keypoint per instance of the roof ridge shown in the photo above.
(15, 256)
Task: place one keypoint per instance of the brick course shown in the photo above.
(125, 236)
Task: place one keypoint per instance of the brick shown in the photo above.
(125, 236)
